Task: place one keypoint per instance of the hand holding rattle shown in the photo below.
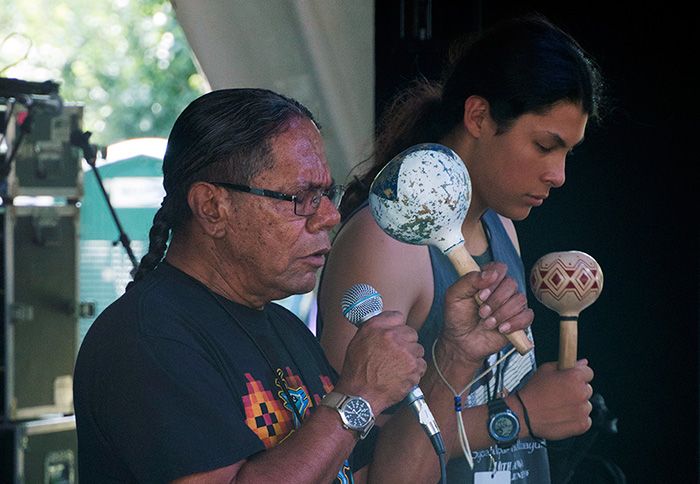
(422, 197)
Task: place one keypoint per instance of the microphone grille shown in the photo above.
(360, 303)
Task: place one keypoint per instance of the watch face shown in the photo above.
(504, 427)
(357, 413)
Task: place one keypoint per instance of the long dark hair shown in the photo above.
(522, 65)
(224, 134)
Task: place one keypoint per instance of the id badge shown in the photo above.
(488, 477)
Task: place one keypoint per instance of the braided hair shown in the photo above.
(224, 134)
(522, 65)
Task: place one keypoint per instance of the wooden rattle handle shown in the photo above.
(464, 263)
(568, 337)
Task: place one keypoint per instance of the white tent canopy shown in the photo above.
(320, 52)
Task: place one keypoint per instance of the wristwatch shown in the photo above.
(355, 412)
(503, 424)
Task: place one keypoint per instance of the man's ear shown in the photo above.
(208, 210)
(477, 112)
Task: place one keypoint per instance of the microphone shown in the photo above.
(362, 302)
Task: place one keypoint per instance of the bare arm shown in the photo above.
(282, 463)
(363, 253)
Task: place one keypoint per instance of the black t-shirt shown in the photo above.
(171, 380)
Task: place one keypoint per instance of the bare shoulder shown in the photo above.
(361, 236)
(363, 253)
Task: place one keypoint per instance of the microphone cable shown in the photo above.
(443, 468)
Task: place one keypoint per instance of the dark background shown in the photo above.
(628, 202)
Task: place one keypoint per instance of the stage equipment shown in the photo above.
(36, 155)
(44, 161)
(40, 313)
(40, 190)
(43, 451)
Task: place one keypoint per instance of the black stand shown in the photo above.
(81, 140)
(51, 104)
(24, 128)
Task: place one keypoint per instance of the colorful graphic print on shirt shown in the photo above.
(272, 419)
(270, 416)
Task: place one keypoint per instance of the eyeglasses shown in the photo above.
(306, 203)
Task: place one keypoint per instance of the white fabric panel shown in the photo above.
(320, 52)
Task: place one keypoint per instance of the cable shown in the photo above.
(443, 468)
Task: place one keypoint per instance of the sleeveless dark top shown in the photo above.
(527, 459)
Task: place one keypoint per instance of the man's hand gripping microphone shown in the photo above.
(362, 302)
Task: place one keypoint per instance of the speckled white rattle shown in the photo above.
(422, 197)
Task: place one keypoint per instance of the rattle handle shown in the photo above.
(568, 336)
(464, 263)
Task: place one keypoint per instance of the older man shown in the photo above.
(193, 375)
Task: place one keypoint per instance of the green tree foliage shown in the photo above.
(127, 61)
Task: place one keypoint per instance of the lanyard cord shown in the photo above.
(279, 375)
(461, 431)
